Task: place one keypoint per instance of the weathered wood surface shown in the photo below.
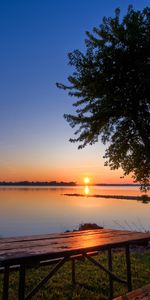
(49, 246)
(139, 294)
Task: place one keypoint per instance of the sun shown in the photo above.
(86, 180)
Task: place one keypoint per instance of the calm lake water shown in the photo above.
(27, 211)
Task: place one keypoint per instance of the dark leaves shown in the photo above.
(111, 82)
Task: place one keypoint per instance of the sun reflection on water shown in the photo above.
(86, 190)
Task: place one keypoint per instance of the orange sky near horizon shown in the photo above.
(37, 173)
(60, 161)
(57, 161)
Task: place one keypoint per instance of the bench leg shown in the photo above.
(73, 272)
(128, 264)
(110, 277)
(21, 291)
(6, 283)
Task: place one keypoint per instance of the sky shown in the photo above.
(35, 38)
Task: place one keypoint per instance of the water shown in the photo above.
(27, 211)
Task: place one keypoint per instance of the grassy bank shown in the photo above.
(59, 287)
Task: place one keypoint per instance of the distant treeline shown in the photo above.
(55, 183)
(37, 183)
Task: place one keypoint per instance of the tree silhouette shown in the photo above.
(111, 85)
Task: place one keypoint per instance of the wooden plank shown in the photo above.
(71, 239)
(56, 235)
(8, 242)
(81, 233)
(139, 294)
(67, 244)
(64, 235)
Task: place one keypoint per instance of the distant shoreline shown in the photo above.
(62, 183)
(37, 183)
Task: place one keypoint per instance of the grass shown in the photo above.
(59, 287)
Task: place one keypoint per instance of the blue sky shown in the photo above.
(35, 37)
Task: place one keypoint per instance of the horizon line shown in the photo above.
(72, 183)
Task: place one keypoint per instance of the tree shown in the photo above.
(111, 85)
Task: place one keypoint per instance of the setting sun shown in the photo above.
(86, 180)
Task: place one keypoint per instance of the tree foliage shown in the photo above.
(111, 88)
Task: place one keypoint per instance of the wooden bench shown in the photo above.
(32, 251)
(142, 293)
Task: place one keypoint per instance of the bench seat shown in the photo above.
(142, 293)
